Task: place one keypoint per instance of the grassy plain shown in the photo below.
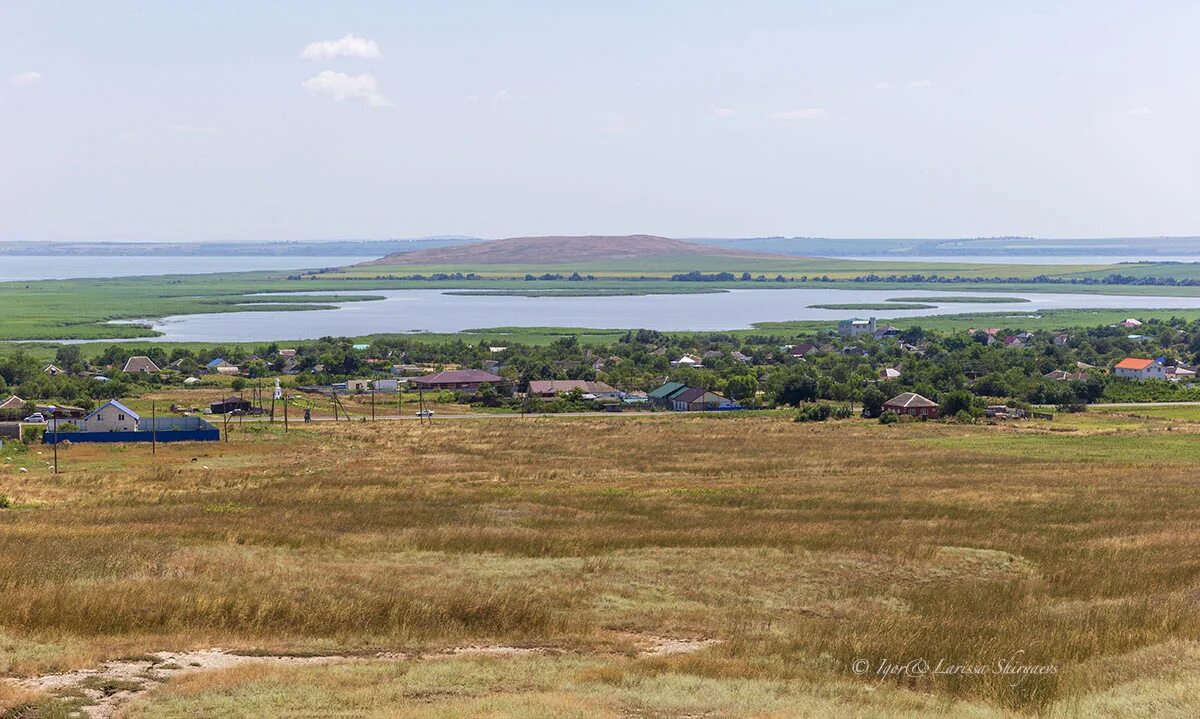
(801, 548)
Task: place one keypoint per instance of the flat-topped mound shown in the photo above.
(559, 249)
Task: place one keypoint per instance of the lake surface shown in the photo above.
(436, 311)
(62, 267)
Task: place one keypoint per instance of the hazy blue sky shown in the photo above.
(244, 120)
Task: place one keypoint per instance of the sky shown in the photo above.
(165, 121)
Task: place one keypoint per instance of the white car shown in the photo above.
(36, 418)
(425, 413)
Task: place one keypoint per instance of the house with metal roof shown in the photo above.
(112, 416)
(694, 399)
(140, 364)
(220, 366)
(459, 380)
(555, 387)
(912, 404)
(663, 395)
(1140, 369)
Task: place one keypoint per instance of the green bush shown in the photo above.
(5, 502)
(814, 413)
(889, 417)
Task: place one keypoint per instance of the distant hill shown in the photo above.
(560, 249)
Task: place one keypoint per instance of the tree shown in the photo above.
(955, 402)
(487, 395)
(239, 384)
(68, 357)
(797, 390)
(742, 387)
(872, 401)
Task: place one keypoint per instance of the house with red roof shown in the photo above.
(912, 404)
(458, 380)
(1140, 369)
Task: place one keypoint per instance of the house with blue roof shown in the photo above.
(220, 366)
(112, 416)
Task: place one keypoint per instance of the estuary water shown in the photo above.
(439, 311)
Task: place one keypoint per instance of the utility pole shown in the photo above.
(154, 428)
(372, 404)
(285, 416)
(55, 445)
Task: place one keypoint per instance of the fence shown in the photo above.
(163, 429)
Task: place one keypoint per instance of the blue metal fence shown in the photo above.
(190, 435)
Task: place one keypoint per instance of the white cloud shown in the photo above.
(918, 84)
(724, 112)
(1141, 111)
(194, 129)
(500, 95)
(808, 113)
(349, 46)
(341, 86)
(21, 79)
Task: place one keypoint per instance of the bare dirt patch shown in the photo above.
(100, 692)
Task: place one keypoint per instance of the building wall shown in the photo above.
(926, 412)
(1154, 371)
(109, 419)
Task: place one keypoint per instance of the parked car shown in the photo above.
(36, 418)
(425, 413)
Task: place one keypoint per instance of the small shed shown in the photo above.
(231, 404)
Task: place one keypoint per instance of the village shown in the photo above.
(878, 370)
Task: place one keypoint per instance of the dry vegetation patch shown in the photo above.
(802, 547)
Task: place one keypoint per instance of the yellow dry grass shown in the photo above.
(803, 547)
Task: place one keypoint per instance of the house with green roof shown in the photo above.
(663, 395)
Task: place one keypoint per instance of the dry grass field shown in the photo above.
(588, 560)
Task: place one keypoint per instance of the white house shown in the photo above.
(1140, 369)
(687, 361)
(856, 326)
(112, 416)
(1181, 374)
